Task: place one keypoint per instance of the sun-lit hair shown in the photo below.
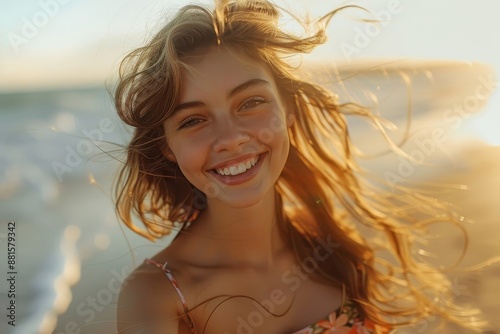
(321, 193)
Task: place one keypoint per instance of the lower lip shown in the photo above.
(233, 180)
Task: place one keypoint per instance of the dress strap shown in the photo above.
(168, 273)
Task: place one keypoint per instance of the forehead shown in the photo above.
(217, 70)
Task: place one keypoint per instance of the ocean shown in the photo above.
(55, 186)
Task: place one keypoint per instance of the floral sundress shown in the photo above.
(346, 320)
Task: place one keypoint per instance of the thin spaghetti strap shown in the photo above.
(168, 273)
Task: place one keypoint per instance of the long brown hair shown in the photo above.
(321, 191)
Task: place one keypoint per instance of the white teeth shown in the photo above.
(239, 168)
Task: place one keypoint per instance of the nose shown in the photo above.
(229, 136)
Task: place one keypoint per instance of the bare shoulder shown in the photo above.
(147, 303)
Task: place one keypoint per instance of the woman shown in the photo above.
(253, 166)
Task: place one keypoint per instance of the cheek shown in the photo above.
(278, 121)
(189, 156)
(274, 128)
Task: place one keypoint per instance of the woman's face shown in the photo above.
(228, 133)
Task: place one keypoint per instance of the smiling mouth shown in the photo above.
(238, 168)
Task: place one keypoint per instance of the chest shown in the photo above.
(281, 301)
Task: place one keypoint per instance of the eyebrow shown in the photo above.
(236, 90)
(246, 85)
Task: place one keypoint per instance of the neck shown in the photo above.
(246, 236)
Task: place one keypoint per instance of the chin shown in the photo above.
(240, 202)
(243, 204)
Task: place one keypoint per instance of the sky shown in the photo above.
(64, 43)
(68, 42)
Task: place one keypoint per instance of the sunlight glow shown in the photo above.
(69, 276)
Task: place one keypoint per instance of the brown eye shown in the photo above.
(254, 102)
(191, 121)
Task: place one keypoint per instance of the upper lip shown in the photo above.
(235, 160)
